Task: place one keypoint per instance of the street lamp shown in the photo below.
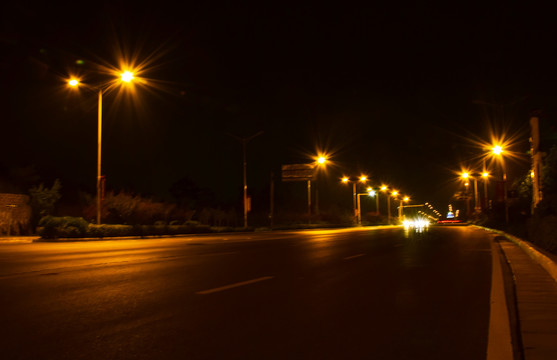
(369, 192)
(244, 141)
(401, 206)
(393, 194)
(465, 176)
(127, 77)
(497, 150)
(485, 176)
(361, 179)
(321, 161)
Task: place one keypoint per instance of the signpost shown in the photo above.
(300, 172)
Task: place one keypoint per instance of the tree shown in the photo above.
(43, 200)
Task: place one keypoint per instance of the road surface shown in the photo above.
(366, 293)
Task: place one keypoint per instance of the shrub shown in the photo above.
(66, 227)
(106, 230)
(543, 232)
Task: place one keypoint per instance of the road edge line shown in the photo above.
(549, 265)
(499, 340)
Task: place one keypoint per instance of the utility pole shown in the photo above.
(244, 141)
(537, 193)
(272, 200)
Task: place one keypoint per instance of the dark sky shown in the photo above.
(390, 90)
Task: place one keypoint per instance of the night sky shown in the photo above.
(393, 91)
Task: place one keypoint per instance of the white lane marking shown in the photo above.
(499, 340)
(354, 256)
(231, 286)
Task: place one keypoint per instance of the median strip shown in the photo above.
(235, 285)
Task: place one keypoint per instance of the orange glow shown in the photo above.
(394, 193)
(363, 178)
(73, 82)
(383, 188)
(485, 174)
(344, 179)
(497, 150)
(126, 76)
(465, 175)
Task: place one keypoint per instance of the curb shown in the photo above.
(548, 264)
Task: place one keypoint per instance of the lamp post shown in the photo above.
(394, 194)
(244, 141)
(465, 176)
(369, 193)
(384, 189)
(497, 150)
(355, 198)
(320, 162)
(401, 207)
(126, 76)
(485, 176)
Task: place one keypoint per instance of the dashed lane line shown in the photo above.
(235, 285)
(353, 256)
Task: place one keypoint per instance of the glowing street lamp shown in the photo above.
(126, 76)
(321, 161)
(369, 192)
(465, 176)
(485, 176)
(384, 189)
(356, 199)
(393, 194)
(497, 150)
(401, 207)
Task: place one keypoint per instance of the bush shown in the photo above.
(542, 231)
(106, 230)
(71, 227)
(51, 227)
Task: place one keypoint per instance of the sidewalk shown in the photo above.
(536, 297)
(17, 239)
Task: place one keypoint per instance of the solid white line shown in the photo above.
(354, 256)
(238, 284)
(499, 343)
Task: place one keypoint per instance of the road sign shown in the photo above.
(298, 172)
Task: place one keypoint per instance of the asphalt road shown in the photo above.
(334, 294)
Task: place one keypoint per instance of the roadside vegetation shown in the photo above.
(540, 228)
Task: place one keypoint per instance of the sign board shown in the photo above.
(298, 172)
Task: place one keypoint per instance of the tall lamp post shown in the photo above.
(126, 77)
(401, 207)
(485, 176)
(497, 150)
(355, 198)
(320, 162)
(394, 194)
(244, 141)
(369, 192)
(466, 176)
(384, 189)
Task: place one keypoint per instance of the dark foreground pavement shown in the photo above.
(333, 301)
(535, 300)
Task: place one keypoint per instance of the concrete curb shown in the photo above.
(547, 263)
